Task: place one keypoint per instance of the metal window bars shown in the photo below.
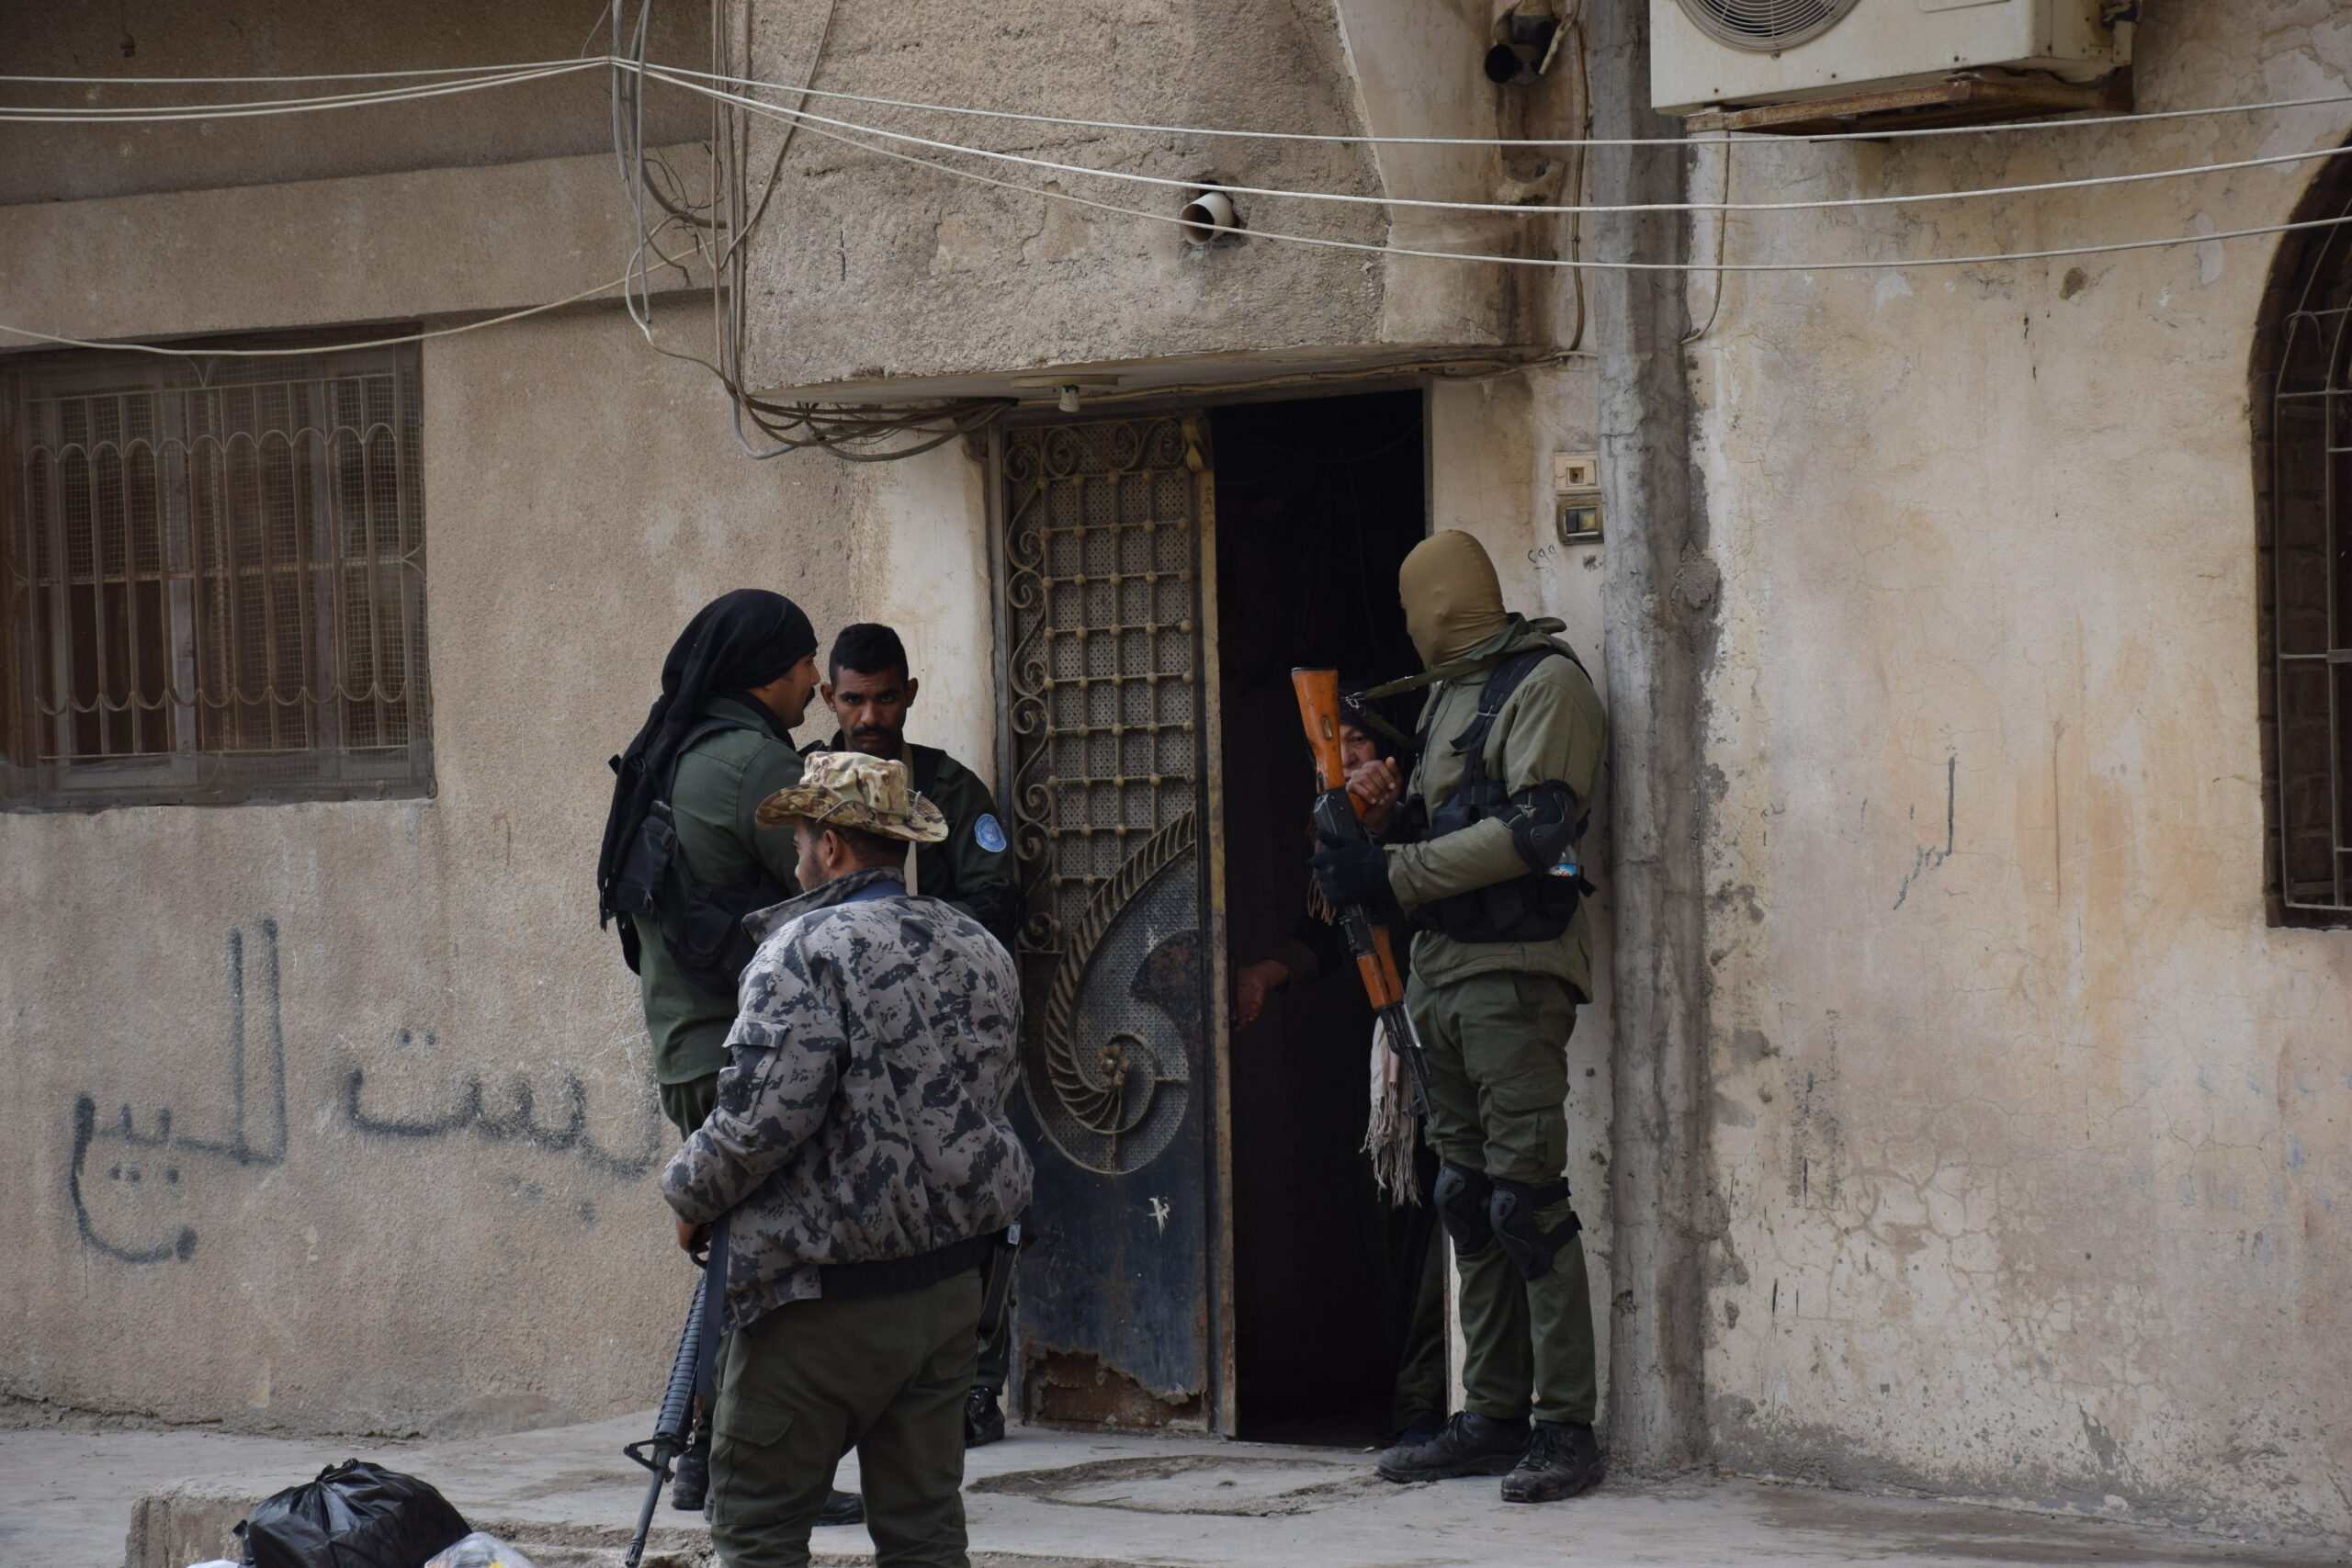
(2308, 624)
(214, 580)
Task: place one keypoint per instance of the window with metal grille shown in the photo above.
(214, 583)
(2302, 411)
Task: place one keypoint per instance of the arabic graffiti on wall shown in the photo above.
(138, 1181)
(131, 1190)
(519, 1123)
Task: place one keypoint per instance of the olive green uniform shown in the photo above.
(801, 1386)
(1496, 1016)
(719, 785)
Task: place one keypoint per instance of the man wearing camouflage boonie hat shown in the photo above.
(853, 1179)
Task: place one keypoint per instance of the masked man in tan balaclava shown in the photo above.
(1513, 738)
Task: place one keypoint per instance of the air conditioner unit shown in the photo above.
(1715, 54)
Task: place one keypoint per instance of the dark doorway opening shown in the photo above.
(1317, 502)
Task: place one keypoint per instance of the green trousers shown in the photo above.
(1498, 1082)
(1415, 1275)
(687, 1104)
(886, 1375)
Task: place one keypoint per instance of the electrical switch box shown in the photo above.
(1576, 497)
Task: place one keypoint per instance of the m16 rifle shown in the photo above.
(659, 1451)
(1339, 821)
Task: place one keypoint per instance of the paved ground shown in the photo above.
(68, 1494)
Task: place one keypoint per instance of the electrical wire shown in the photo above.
(318, 348)
(663, 73)
(21, 113)
(854, 434)
(1723, 225)
(696, 81)
(2082, 122)
(1989, 258)
(1875, 135)
(320, 75)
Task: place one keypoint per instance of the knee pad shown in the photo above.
(1461, 1199)
(1512, 1211)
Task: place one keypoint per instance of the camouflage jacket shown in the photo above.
(861, 1113)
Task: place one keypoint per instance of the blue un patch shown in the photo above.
(990, 834)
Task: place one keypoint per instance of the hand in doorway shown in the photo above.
(1379, 785)
(1251, 988)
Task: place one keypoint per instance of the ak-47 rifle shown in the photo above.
(657, 1452)
(1339, 820)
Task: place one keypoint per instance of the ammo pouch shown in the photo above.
(1534, 908)
(702, 925)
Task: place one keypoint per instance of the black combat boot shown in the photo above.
(690, 1481)
(1470, 1445)
(841, 1508)
(1562, 1461)
(983, 1418)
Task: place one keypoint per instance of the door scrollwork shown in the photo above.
(1103, 662)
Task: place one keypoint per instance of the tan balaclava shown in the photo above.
(1453, 599)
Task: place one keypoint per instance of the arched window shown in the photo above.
(2303, 417)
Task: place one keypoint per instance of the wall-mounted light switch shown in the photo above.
(1575, 495)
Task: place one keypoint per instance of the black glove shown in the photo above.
(1353, 874)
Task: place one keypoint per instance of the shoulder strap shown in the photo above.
(1508, 678)
(925, 769)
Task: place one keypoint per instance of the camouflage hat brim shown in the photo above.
(922, 823)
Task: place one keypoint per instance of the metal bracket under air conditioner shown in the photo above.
(1975, 98)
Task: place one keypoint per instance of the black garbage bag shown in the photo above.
(356, 1514)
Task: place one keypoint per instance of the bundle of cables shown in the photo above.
(719, 229)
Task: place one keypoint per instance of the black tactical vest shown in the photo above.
(1534, 908)
(702, 924)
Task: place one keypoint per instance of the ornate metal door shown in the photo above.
(1107, 582)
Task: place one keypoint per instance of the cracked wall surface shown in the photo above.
(337, 1117)
(2032, 1134)
(1009, 276)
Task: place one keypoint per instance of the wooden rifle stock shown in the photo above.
(1318, 711)
(1376, 950)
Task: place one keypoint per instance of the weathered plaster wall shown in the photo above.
(922, 567)
(456, 1224)
(2031, 1133)
(1010, 280)
(452, 1221)
(551, 117)
(339, 1116)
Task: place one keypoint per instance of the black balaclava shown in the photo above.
(737, 641)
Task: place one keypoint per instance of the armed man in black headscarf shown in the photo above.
(684, 858)
(1511, 741)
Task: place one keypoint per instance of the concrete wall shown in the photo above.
(2028, 1128)
(2029, 1131)
(456, 1224)
(548, 119)
(1012, 280)
(339, 1116)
